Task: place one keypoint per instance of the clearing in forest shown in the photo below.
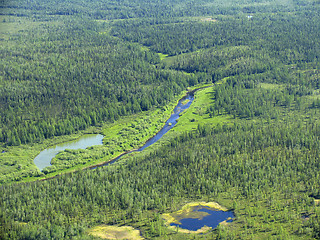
(114, 232)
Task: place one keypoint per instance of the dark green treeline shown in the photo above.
(275, 163)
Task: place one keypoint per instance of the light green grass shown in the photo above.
(115, 232)
(162, 56)
(272, 86)
(126, 134)
(197, 113)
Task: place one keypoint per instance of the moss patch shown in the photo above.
(114, 232)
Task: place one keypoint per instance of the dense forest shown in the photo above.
(98, 79)
(67, 66)
(274, 164)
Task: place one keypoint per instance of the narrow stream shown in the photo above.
(44, 158)
(182, 105)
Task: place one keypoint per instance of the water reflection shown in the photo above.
(44, 158)
(203, 216)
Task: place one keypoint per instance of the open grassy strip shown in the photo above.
(123, 135)
(198, 114)
(248, 166)
(114, 232)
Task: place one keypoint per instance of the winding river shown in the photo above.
(44, 158)
(182, 105)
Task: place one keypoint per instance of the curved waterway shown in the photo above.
(182, 105)
(44, 158)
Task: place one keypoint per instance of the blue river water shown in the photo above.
(171, 122)
(44, 158)
(182, 105)
(211, 220)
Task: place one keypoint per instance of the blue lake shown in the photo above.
(211, 220)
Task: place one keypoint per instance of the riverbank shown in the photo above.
(122, 136)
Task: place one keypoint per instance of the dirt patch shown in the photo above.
(114, 232)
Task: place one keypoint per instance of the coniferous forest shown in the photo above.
(249, 141)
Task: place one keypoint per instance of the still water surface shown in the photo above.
(211, 220)
(182, 105)
(44, 158)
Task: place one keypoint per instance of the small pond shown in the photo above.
(203, 216)
(44, 158)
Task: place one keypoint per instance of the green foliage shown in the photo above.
(97, 80)
(245, 161)
(63, 71)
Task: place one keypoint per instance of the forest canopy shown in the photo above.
(250, 141)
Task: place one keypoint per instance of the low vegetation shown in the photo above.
(250, 141)
(113, 232)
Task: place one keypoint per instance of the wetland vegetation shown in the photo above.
(250, 141)
(113, 232)
(198, 217)
(44, 158)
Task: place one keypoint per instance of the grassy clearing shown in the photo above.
(208, 19)
(16, 163)
(197, 113)
(114, 232)
(162, 56)
(272, 86)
